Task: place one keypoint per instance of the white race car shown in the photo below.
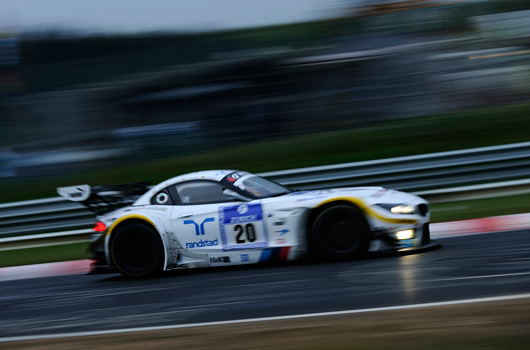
(229, 217)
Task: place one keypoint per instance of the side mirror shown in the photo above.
(236, 195)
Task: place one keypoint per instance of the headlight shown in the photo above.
(399, 208)
(405, 234)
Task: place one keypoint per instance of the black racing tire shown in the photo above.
(136, 250)
(340, 232)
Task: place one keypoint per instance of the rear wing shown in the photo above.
(106, 198)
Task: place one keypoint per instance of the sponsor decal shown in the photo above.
(381, 193)
(280, 240)
(245, 258)
(220, 259)
(282, 232)
(309, 199)
(242, 226)
(242, 209)
(237, 214)
(243, 219)
(154, 208)
(315, 193)
(199, 229)
(233, 177)
(162, 198)
(274, 254)
(407, 243)
(202, 243)
(221, 174)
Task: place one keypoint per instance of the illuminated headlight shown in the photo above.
(405, 234)
(403, 209)
(399, 208)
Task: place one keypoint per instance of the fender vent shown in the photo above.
(423, 209)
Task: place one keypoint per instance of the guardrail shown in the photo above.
(420, 172)
(436, 176)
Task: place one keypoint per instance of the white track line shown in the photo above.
(263, 319)
(478, 277)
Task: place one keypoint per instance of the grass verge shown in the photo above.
(496, 325)
(480, 208)
(39, 255)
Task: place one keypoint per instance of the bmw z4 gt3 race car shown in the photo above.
(229, 217)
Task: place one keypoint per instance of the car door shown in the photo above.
(195, 217)
(206, 220)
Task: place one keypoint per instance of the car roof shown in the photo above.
(216, 175)
(213, 175)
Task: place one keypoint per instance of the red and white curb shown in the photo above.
(438, 230)
(63, 268)
(479, 226)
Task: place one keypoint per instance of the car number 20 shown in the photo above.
(245, 234)
(243, 227)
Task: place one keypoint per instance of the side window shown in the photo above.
(201, 192)
(162, 198)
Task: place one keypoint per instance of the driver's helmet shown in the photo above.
(254, 188)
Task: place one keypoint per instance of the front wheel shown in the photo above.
(137, 250)
(340, 233)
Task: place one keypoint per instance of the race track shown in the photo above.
(474, 266)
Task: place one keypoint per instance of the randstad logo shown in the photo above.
(199, 229)
(202, 243)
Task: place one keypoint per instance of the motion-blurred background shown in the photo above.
(117, 91)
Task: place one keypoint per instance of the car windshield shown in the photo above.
(253, 186)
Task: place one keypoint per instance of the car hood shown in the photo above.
(368, 195)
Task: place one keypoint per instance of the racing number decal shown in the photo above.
(248, 230)
(242, 227)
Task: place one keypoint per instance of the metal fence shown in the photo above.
(430, 175)
(418, 173)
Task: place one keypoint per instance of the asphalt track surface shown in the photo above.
(475, 266)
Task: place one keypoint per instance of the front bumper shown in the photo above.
(385, 241)
(433, 244)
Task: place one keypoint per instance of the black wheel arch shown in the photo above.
(130, 221)
(313, 214)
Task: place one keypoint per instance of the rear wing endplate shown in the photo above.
(77, 193)
(106, 198)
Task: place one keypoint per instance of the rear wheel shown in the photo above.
(137, 250)
(339, 233)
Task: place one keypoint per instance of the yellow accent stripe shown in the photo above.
(359, 203)
(127, 217)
